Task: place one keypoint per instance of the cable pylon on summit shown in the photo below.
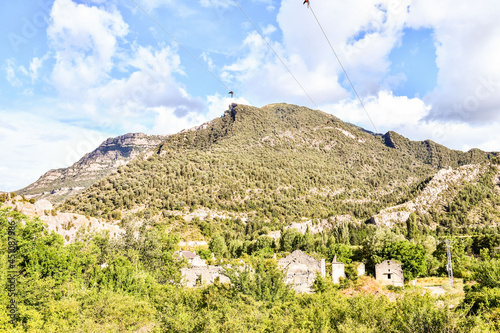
(340, 63)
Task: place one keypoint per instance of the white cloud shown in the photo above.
(388, 112)
(306, 52)
(264, 79)
(217, 104)
(149, 87)
(468, 50)
(86, 54)
(17, 75)
(35, 65)
(362, 32)
(408, 116)
(10, 73)
(167, 121)
(217, 3)
(85, 40)
(32, 144)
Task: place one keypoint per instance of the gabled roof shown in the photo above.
(188, 254)
(298, 257)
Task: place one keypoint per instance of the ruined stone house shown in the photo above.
(389, 273)
(301, 270)
(200, 273)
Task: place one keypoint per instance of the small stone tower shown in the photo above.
(337, 271)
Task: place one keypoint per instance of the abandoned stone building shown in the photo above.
(200, 273)
(301, 270)
(390, 273)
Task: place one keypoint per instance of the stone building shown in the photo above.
(301, 270)
(390, 273)
(338, 270)
(200, 273)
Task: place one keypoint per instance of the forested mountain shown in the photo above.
(252, 186)
(278, 163)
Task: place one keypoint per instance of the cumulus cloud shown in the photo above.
(467, 50)
(264, 79)
(150, 84)
(387, 111)
(88, 55)
(409, 117)
(85, 40)
(363, 32)
(363, 38)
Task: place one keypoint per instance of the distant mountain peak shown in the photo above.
(58, 184)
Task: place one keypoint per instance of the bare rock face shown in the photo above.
(57, 185)
(68, 225)
(445, 184)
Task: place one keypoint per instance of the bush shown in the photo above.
(204, 254)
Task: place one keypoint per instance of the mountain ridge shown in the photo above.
(58, 184)
(280, 161)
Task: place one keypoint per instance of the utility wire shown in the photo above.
(345, 72)
(179, 43)
(276, 54)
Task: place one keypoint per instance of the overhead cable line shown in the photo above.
(182, 46)
(275, 53)
(343, 69)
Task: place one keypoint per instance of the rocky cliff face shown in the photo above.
(445, 184)
(57, 185)
(68, 225)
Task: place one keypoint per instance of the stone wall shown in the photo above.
(199, 276)
(338, 271)
(301, 271)
(200, 273)
(360, 269)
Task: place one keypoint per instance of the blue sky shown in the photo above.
(73, 73)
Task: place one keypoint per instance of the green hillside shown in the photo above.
(280, 161)
(433, 153)
(259, 170)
